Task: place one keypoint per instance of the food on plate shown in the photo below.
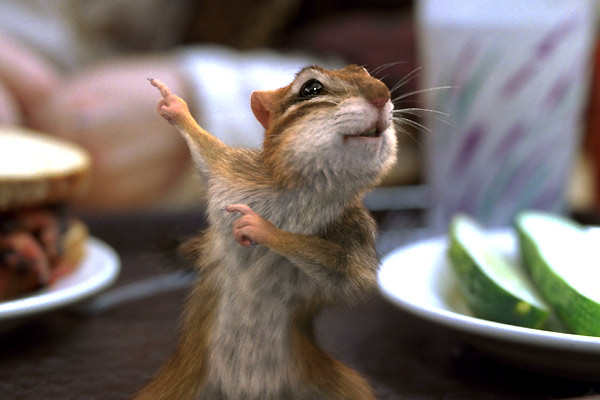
(564, 264)
(39, 240)
(494, 287)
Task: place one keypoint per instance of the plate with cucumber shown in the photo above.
(528, 294)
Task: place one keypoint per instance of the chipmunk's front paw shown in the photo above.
(251, 229)
(171, 107)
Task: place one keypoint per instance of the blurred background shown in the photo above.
(78, 68)
(501, 100)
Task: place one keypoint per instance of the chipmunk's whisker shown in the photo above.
(384, 66)
(412, 123)
(427, 113)
(412, 93)
(417, 110)
(411, 75)
(401, 128)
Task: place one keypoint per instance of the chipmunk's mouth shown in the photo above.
(373, 132)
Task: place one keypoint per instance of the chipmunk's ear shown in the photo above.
(261, 103)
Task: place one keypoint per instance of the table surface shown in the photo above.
(65, 354)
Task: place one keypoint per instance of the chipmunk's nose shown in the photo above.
(379, 102)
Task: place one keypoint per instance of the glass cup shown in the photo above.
(516, 77)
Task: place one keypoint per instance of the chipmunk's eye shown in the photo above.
(311, 88)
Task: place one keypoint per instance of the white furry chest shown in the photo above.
(250, 349)
(250, 353)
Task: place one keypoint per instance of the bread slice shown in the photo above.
(39, 169)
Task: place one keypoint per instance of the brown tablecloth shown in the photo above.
(66, 355)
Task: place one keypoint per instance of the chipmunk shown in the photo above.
(304, 240)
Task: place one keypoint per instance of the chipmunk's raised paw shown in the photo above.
(171, 107)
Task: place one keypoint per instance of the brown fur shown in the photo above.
(318, 369)
(181, 376)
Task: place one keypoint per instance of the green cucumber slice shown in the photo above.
(565, 266)
(494, 288)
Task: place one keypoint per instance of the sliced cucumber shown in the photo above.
(565, 266)
(494, 288)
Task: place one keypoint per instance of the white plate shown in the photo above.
(418, 279)
(98, 270)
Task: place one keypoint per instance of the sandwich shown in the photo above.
(40, 241)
